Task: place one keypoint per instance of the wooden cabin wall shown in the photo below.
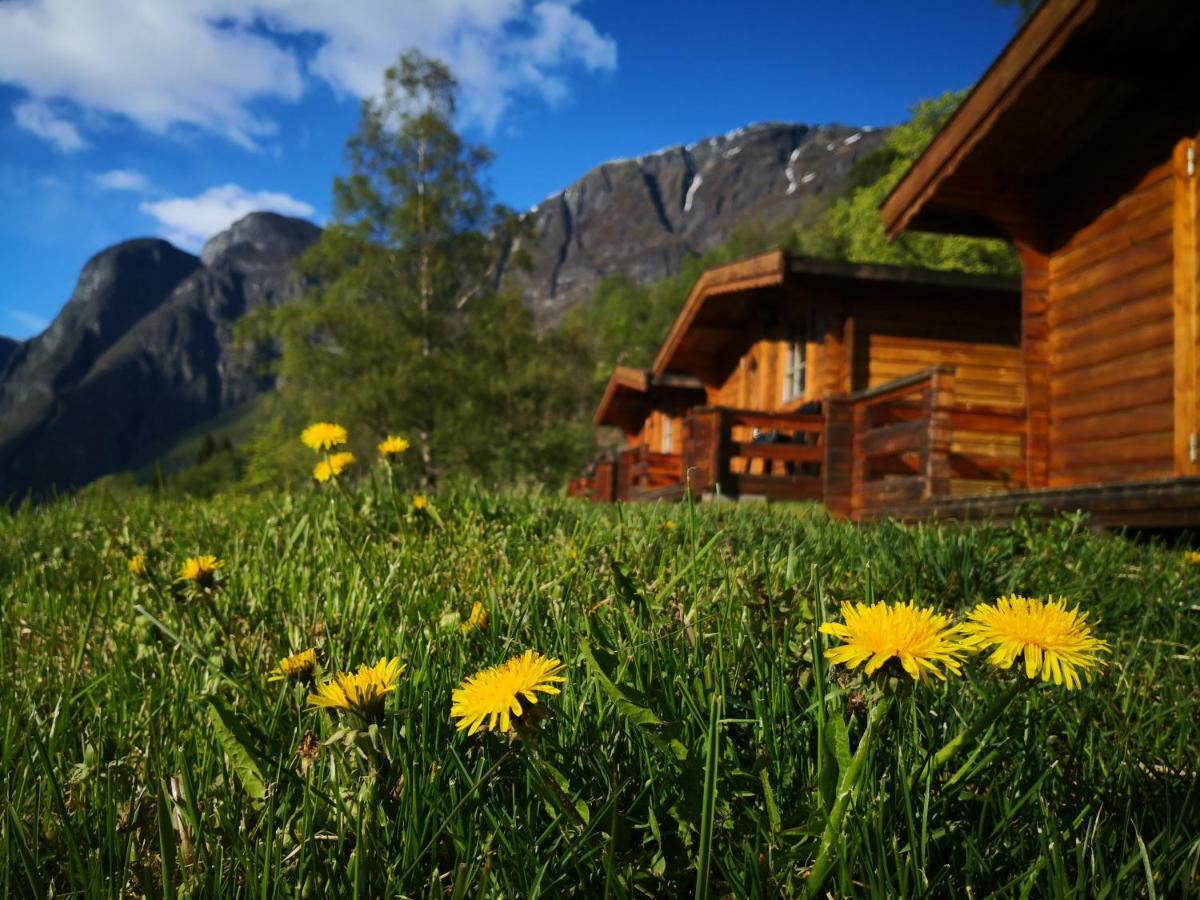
(757, 381)
(1111, 342)
(980, 337)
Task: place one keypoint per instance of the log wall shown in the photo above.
(1110, 350)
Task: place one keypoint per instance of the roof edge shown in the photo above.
(998, 88)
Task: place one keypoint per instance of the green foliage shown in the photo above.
(852, 229)
(624, 323)
(698, 736)
(403, 331)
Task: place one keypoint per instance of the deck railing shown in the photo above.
(889, 450)
(721, 453)
(641, 472)
(896, 447)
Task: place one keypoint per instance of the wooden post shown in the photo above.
(837, 471)
(720, 451)
(860, 417)
(1035, 341)
(939, 408)
(1187, 329)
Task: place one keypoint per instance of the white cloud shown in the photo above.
(122, 180)
(188, 222)
(38, 117)
(209, 63)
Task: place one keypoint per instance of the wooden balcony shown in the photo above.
(897, 450)
(908, 443)
(645, 475)
(739, 453)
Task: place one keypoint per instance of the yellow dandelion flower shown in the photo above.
(362, 691)
(1056, 641)
(333, 466)
(393, 446)
(298, 665)
(669, 524)
(1192, 557)
(323, 436)
(420, 501)
(138, 566)
(477, 621)
(200, 569)
(920, 639)
(494, 695)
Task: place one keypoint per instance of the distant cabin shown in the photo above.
(800, 379)
(1079, 145)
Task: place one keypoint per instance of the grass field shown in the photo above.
(696, 748)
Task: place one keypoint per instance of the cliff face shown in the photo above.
(7, 348)
(641, 216)
(142, 352)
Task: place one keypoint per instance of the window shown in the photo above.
(793, 371)
(668, 434)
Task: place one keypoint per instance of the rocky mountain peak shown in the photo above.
(642, 215)
(260, 238)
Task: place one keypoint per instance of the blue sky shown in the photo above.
(126, 118)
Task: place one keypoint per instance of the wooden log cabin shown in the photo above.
(864, 387)
(1079, 145)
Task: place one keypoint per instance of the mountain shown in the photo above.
(142, 352)
(641, 217)
(7, 348)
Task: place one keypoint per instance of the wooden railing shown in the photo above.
(581, 488)
(722, 454)
(895, 448)
(889, 450)
(641, 471)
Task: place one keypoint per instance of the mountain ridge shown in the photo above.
(143, 351)
(641, 216)
(121, 370)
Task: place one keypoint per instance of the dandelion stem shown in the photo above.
(967, 737)
(846, 786)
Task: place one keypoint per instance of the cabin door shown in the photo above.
(1187, 306)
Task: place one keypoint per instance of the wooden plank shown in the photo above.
(1124, 288)
(837, 467)
(1148, 419)
(1112, 236)
(779, 488)
(1116, 331)
(1125, 343)
(893, 390)
(889, 439)
(1123, 449)
(1155, 362)
(807, 423)
(1129, 395)
(1186, 308)
(1115, 473)
(1149, 255)
(999, 422)
(778, 452)
(1034, 349)
(893, 491)
(1136, 202)
(937, 446)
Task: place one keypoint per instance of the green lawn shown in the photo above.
(695, 749)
